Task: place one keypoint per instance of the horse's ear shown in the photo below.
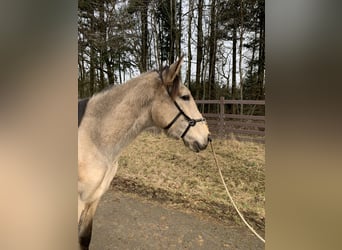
(170, 73)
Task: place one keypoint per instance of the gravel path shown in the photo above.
(126, 221)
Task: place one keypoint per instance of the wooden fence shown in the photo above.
(243, 126)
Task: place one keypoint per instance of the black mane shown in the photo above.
(82, 105)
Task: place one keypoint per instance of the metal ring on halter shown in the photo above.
(192, 122)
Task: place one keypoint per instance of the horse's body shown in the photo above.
(115, 117)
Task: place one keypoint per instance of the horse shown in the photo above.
(112, 119)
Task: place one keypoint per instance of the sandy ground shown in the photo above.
(128, 221)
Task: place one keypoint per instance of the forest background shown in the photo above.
(223, 42)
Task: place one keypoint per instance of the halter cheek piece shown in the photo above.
(191, 122)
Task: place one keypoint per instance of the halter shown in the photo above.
(191, 122)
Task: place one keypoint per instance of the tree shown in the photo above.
(261, 62)
(190, 16)
(141, 6)
(199, 47)
(240, 51)
(212, 51)
(118, 39)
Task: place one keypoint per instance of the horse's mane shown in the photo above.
(172, 89)
(82, 105)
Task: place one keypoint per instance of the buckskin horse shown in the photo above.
(113, 118)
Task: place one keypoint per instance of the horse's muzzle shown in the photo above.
(196, 146)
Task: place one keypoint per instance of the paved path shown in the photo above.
(126, 221)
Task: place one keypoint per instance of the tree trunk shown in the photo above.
(188, 76)
(240, 54)
(144, 37)
(199, 47)
(92, 56)
(212, 51)
(261, 63)
(253, 52)
(119, 68)
(179, 31)
(203, 80)
(252, 94)
(172, 31)
(156, 41)
(103, 44)
(109, 70)
(234, 68)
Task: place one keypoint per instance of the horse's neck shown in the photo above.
(129, 114)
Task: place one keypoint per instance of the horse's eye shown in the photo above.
(185, 97)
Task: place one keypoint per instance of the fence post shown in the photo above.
(221, 119)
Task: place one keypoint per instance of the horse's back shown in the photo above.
(82, 105)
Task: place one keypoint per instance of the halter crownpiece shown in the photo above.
(191, 122)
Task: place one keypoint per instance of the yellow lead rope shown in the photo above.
(230, 197)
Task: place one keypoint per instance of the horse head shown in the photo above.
(174, 109)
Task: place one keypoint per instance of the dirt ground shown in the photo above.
(128, 221)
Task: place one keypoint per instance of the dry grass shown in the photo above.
(164, 169)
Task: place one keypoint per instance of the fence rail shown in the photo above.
(243, 126)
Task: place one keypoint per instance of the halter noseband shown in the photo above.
(191, 122)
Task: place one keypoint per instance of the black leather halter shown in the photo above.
(191, 122)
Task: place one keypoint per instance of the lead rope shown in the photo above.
(230, 197)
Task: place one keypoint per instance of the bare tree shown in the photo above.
(212, 51)
(190, 16)
(117, 39)
(199, 46)
(240, 52)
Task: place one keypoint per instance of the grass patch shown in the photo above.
(164, 169)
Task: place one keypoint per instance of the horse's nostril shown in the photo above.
(198, 147)
(202, 146)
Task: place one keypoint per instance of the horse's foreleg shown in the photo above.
(86, 209)
(85, 225)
